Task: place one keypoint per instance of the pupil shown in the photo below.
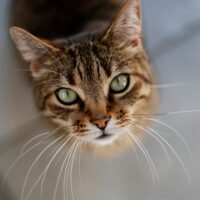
(118, 81)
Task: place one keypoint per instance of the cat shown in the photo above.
(96, 84)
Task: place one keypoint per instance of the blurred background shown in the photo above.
(172, 40)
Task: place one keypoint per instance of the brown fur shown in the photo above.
(50, 19)
(87, 64)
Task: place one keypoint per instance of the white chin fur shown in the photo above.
(105, 141)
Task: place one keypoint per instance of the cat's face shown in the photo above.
(93, 90)
(93, 87)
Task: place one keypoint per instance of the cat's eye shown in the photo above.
(66, 96)
(120, 83)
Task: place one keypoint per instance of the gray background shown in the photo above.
(172, 39)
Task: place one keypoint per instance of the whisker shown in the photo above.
(74, 157)
(167, 113)
(149, 114)
(183, 111)
(175, 153)
(64, 129)
(19, 158)
(63, 164)
(55, 131)
(71, 169)
(44, 171)
(148, 157)
(79, 160)
(134, 150)
(174, 130)
(31, 140)
(33, 164)
(172, 85)
(57, 150)
(16, 161)
(139, 125)
(159, 138)
(56, 153)
(59, 158)
(67, 169)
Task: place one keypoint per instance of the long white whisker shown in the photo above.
(167, 113)
(33, 164)
(24, 153)
(31, 140)
(174, 130)
(156, 138)
(148, 157)
(56, 153)
(60, 157)
(44, 171)
(172, 85)
(175, 153)
(67, 169)
(71, 169)
(17, 160)
(55, 131)
(79, 160)
(183, 111)
(135, 151)
(144, 153)
(59, 176)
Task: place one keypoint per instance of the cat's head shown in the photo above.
(95, 86)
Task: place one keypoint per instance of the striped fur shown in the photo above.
(87, 63)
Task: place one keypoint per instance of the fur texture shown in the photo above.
(87, 64)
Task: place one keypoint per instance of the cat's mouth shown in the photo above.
(104, 136)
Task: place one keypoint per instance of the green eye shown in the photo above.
(120, 83)
(66, 96)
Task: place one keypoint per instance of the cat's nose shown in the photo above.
(101, 123)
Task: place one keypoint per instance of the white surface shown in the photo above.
(120, 178)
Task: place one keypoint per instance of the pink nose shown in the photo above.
(101, 123)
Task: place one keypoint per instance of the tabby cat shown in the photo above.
(95, 86)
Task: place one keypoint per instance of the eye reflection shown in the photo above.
(120, 83)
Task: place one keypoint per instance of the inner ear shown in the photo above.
(31, 47)
(126, 28)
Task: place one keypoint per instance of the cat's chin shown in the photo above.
(105, 139)
(108, 146)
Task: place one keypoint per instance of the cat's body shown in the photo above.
(96, 84)
(49, 19)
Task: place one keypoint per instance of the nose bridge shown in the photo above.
(98, 110)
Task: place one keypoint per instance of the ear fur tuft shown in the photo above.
(30, 47)
(126, 28)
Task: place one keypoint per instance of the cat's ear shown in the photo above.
(31, 48)
(126, 28)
